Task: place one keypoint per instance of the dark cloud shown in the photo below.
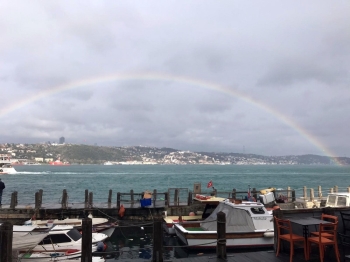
(214, 77)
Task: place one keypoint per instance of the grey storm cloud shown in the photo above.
(270, 77)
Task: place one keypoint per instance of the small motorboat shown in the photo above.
(248, 225)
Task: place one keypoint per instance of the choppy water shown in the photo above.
(99, 179)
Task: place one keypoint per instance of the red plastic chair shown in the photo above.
(284, 232)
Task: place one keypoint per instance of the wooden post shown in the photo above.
(157, 241)
(288, 193)
(91, 199)
(312, 196)
(319, 192)
(132, 197)
(348, 189)
(331, 190)
(13, 202)
(234, 193)
(335, 189)
(255, 195)
(86, 242)
(118, 200)
(154, 197)
(221, 244)
(189, 201)
(110, 197)
(64, 199)
(41, 192)
(6, 235)
(37, 204)
(176, 197)
(86, 201)
(293, 196)
(166, 199)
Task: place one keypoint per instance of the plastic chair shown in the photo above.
(345, 217)
(285, 226)
(322, 242)
(345, 245)
(330, 218)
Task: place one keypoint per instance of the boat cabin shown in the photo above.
(338, 199)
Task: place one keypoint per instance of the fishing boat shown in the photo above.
(5, 165)
(61, 238)
(99, 225)
(248, 225)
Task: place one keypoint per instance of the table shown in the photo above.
(305, 222)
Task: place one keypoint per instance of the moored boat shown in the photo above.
(248, 225)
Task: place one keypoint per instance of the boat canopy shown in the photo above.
(237, 220)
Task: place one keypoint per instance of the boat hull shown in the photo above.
(200, 239)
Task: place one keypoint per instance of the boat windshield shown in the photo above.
(331, 200)
(341, 201)
(74, 234)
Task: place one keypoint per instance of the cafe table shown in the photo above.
(305, 222)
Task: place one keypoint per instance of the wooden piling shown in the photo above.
(312, 196)
(331, 190)
(154, 197)
(221, 235)
(91, 199)
(118, 200)
(176, 197)
(6, 235)
(37, 201)
(348, 189)
(255, 195)
(189, 200)
(288, 193)
(110, 197)
(305, 193)
(234, 193)
(319, 192)
(166, 198)
(132, 197)
(86, 242)
(157, 241)
(13, 202)
(64, 199)
(41, 192)
(293, 196)
(335, 189)
(86, 201)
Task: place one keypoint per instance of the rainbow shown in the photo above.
(174, 78)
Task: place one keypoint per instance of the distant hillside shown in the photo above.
(86, 154)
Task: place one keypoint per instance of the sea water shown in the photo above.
(99, 179)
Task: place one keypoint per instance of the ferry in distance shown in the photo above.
(58, 162)
(5, 165)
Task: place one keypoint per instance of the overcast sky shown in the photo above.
(263, 77)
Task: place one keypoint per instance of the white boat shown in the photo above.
(248, 225)
(5, 165)
(339, 199)
(75, 222)
(61, 238)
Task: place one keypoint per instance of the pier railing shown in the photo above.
(181, 197)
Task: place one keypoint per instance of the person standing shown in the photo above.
(2, 187)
